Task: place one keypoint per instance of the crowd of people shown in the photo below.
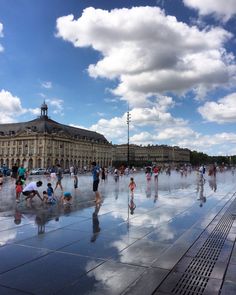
(31, 189)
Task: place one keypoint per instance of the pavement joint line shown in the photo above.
(223, 218)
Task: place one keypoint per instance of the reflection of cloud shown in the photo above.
(6, 236)
(112, 277)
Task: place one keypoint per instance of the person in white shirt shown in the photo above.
(32, 189)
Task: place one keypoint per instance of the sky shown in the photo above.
(170, 63)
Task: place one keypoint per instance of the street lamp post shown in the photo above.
(128, 121)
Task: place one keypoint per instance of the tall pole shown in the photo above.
(128, 121)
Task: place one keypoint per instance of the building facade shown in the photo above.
(42, 143)
(151, 154)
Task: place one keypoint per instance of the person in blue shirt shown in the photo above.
(96, 174)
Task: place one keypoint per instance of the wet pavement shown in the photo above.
(112, 248)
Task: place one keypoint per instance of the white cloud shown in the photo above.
(210, 144)
(115, 129)
(1, 35)
(219, 8)
(171, 134)
(57, 105)
(223, 111)
(10, 107)
(46, 84)
(150, 53)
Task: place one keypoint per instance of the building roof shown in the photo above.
(44, 124)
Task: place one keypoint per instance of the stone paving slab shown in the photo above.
(130, 254)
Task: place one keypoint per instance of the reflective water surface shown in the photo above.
(89, 248)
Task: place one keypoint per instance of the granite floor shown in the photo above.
(125, 245)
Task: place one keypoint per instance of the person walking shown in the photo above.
(21, 172)
(14, 170)
(59, 177)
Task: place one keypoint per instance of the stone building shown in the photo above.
(147, 155)
(42, 143)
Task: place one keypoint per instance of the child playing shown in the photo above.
(132, 185)
(48, 195)
(66, 198)
(19, 189)
(45, 197)
(50, 192)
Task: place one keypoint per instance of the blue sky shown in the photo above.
(171, 62)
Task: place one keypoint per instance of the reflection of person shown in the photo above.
(148, 190)
(96, 227)
(132, 205)
(1, 180)
(17, 216)
(41, 219)
(212, 183)
(96, 173)
(75, 181)
(116, 191)
(156, 193)
(32, 189)
(200, 189)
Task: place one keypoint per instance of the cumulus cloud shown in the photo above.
(171, 134)
(224, 143)
(57, 105)
(10, 107)
(150, 53)
(221, 9)
(222, 111)
(154, 116)
(1, 35)
(185, 137)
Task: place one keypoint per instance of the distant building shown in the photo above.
(146, 155)
(42, 143)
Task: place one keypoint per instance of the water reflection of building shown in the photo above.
(43, 142)
(143, 155)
